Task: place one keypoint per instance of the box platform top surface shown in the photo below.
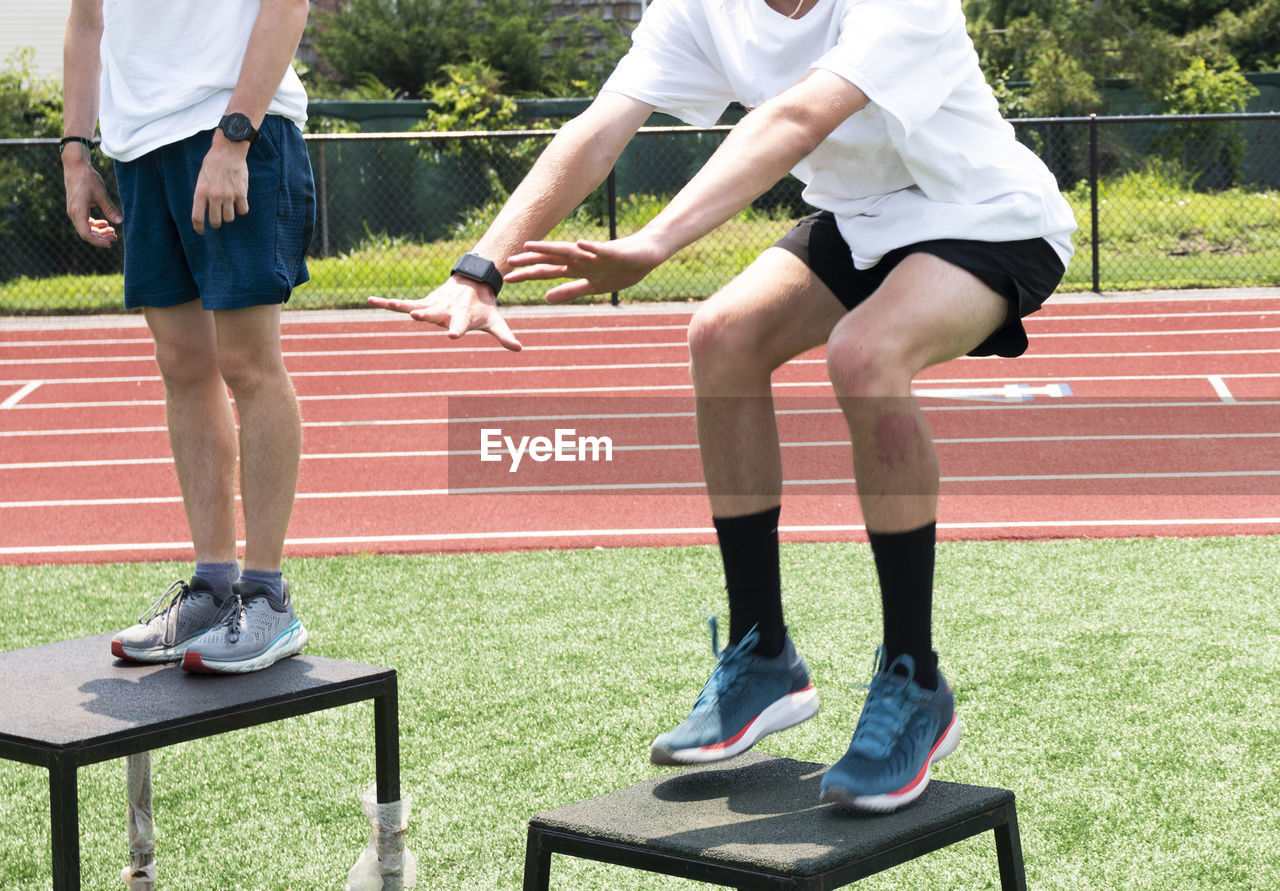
(761, 812)
(74, 692)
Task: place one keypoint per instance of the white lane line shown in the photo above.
(423, 333)
(1208, 314)
(93, 502)
(641, 390)
(1067, 524)
(435, 334)
(1172, 332)
(1003, 393)
(1215, 381)
(1112, 302)
(643, 487)
(526, 371)
(26, 390)
(1153, 354)
(94, 462)
(319, 354)
(650, 416)
(393, 372)
(86, 431)
(419, 333)
(489, 348)
(315, 456)
(791, 485)
(679, 446)
(574, 534)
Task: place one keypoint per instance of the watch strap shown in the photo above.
(236, 120)
(68, 140)
(480, 269)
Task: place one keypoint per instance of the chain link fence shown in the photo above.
(1162, 202)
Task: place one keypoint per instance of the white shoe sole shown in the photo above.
(892, 801)
(289, 642)
(790, 710)
(121, 650)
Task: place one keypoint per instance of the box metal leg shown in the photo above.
(64, 821)
(537, 863)
(1009, 852)
(386, 742)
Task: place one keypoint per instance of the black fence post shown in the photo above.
(611, 190)
(1094, 240)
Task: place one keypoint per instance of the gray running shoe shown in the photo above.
(255, 632)
(163, 633)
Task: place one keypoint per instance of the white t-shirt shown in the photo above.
(168, 69)
(929, 157)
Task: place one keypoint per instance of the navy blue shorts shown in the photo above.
(1024, 272)
(254, 260)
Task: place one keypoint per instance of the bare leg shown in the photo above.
(775, 310)
(270, 427)
(926, 312)
(202, 429)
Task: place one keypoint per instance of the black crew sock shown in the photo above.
(904, 563)
(753, 578)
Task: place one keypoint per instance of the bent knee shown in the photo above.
(729, 344)
(859, 364)
(712, 336)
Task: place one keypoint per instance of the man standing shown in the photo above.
(936, 233)
(201, 111)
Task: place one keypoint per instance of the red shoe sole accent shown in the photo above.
(724, 744)
(117, 650)
(925, 769)
(741, 733)
(191, 662)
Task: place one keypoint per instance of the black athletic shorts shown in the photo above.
(1025, 272)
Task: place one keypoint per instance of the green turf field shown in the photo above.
(1127, 691)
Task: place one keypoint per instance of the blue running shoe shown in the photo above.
(903, 729)
(747, 698)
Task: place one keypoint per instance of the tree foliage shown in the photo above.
(408, 44)
(1063, 50)
(30, 106)
(1215, 148)
(31, 180)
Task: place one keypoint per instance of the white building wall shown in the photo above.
(37, 23)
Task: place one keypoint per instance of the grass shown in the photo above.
(1126, 690)
(1155, 232)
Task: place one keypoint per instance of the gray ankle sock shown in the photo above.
(218, 576)
(261, 578)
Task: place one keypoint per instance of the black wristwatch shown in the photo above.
(474, 266)
(238, 128)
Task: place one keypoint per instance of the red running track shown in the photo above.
(1149, 415)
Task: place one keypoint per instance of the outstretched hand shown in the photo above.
(596, 267)
(458, 308)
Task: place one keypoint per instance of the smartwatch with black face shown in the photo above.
(474, 266)
(238, 128)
